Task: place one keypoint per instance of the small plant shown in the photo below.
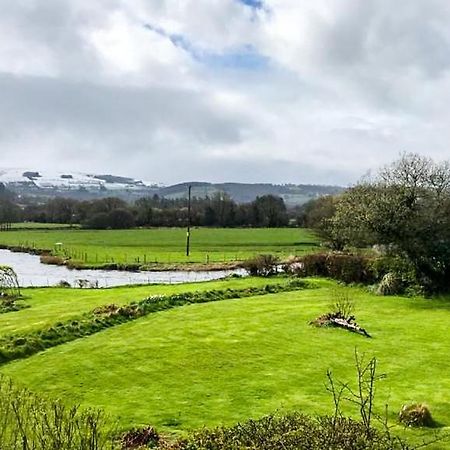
(416, 415)
(140, 438)
(343, 304)
(341, 314)
(9, 282)
(262, 265)
(390, 284)
(9, 291)
(363, 396)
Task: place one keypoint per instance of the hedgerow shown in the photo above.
(293, 431)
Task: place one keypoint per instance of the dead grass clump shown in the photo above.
(416, 415)
(52, 260)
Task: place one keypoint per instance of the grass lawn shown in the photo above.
(223, 362)
(51, 305)
(165, 245)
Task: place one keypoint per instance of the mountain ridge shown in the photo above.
(83, 186)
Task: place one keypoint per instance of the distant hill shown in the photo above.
(243, 192)
(43, 185)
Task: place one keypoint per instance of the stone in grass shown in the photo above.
(416, 415)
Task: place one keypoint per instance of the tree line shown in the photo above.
(219, 210)
(9, 210)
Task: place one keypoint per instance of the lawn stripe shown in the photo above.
(23, 345)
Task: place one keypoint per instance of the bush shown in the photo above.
(292, 265)
(121, 218)
(140, 438)
(262, 265)
(396, 276)
(11, 304)
(290, 432)
(99, 221)
(340, 266)
(31, 422)
(390, 284)
(416, 415)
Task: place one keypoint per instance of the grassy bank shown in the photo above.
(22, 345)
(47, 306)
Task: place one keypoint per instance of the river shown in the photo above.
(32, 272)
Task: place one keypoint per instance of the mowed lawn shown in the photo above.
(223, 362)
(165, 245)
(48, 306)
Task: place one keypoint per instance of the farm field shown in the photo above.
(226, 361)
(164, 245)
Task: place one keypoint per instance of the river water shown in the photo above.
(32, 272)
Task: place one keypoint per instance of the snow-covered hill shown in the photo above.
(33, 184)
(30, 179)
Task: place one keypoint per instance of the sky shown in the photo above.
(280, 91)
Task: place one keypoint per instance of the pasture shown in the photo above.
(164, 245)
(226, 361)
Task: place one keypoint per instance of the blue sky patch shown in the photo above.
(253, 3)
(245, 58)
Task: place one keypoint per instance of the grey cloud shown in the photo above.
(380, 51)
(377, 32)
(103, 111)
(373, 81)
(56, 26)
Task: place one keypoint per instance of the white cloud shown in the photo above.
(336, 87)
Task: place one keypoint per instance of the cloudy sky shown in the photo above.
(303, 91)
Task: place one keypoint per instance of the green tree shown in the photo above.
(317, 214)
(269, 211)
(406, 207)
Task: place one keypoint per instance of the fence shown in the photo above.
(5, 226)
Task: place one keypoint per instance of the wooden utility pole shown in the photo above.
(188, 233)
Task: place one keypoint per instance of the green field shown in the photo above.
(164, 245)
(222, 362)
